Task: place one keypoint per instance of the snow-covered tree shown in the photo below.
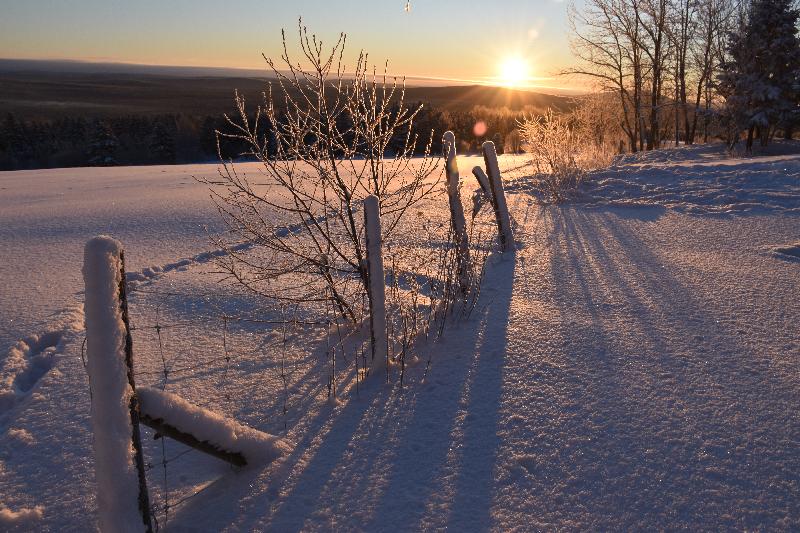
(760, 75)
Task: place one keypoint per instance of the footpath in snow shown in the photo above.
(633, 365)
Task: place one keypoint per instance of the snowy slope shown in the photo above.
(626, 368)
(46, 216)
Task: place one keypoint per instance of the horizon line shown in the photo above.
(434, 81)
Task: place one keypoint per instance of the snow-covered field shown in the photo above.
(634, 365)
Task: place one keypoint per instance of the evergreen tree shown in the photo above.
(759, 78)
(208, 136)
(162, 143)
(5, 137)
(102, 145)
(17, 143)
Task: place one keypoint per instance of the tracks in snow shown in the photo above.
(30, 359)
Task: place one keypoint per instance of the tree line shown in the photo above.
(689, 70)
(167, 139)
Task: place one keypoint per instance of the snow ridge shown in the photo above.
(23, 518)
(786, 252)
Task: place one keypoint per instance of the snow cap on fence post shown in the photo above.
(122, 499)
(456, 210)
(499, 195)
(377, 289)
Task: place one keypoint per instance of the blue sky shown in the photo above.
(466, 40)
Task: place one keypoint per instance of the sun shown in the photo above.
(513, 72)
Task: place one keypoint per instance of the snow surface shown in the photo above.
(632, 365)
(705, 184)
(46, 216)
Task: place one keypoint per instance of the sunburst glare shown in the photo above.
(514, 72)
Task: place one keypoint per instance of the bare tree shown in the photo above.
(652, 16)
(681, 29)
(607, 41)
(714, 18)
(637, 48)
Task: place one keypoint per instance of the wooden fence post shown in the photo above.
(115, 410)
(499, 197)
(457, 211)
(376, 285)
(483, 181)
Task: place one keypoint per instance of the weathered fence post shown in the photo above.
(457, 211)
(376, 287)
(122, 499)
(499, 197)
(483, 194)
(483, 181)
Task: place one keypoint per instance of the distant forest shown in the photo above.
(59, 120)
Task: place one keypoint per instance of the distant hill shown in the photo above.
(45, 95)
(465, 97)
(157, 116)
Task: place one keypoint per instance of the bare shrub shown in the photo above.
(564, 147)
(553, 146)
(326, 139)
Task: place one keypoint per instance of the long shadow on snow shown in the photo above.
(442, 476)
(387, 456)
(736, 402)
(386, 453)
(224, 502)
(596, 450)
(655, 421)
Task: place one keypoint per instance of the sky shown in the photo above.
(520, 42)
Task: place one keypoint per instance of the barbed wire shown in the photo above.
(166, 355)
(167, 364)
